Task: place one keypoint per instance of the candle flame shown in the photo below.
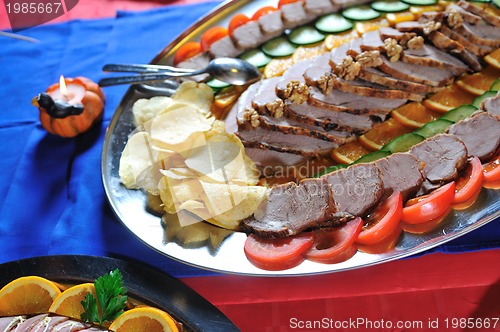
(62, 86)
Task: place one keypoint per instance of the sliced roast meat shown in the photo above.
(466, 15)
(29, 323)
(415, 73)
(320, 7)
(294, 14)
(432, 57)
(247, 36)
(486, 15)
(292, 208)
(319, 70)
(72, 326)
(474, 48)
(480, 134)
(269, 158)
(265, 99)
(9, 323)
(372, 41)
(294, 73)
(198, 61)
(356, 189)
(239, 108)
(271, 24)
(401, 172)
(48, 323)
(348, 102)
(482, 34)
(224, 47)
(492, 105)
(349, 3)
(444, 156)
(338, 54)
(377, 76)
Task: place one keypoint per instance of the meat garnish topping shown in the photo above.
(415, 43)
(325, 83)
(454, 19)
(252, 116)
(296, 92)
(393, 49)
(348, 69)
(369, 59)
(276, 108)
(431, 26)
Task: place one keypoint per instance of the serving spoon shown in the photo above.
(230, 70)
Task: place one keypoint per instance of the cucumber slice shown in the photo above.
(496, 85)
(390, 6)
(216, 84)
(402, 143)
(432, 128)
(480, 1)
(488, 94)
(496, 2)
(256, 57)
(360, 13)
(278, 47)
(459, 113)
(333, 23)
(372, 156)
(305, 35)
(420, 2)
(331, 169)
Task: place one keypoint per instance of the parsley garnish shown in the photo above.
(110, 300)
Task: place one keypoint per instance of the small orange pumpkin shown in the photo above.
(72, 121)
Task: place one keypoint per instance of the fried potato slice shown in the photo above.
(137, 158)
(196, 94)
(145, 110)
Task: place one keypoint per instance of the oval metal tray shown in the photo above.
(130, 206)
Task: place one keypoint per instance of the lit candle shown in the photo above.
(62, 100)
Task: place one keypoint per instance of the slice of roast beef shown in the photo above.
(432, 57)
(9, 323)
(486, 15)
(48, 323)
(294, 73)
(356, 189)
(269, 158)
(224, 47)
(377, 76)
(294, 14)
(481, 34)
(371, 41)
(29, 323)
(243, 103)
(492, 105)
(319, 70)
(73, 326)
(198, 61)
(444, 156)
(415, 73)
(466, 15)
(480, 134)
(348, 102)
(320, 7)
(478, 50)
(271, 24)
(247, 36)
(292, 208)
(401, 172)
(265, 99)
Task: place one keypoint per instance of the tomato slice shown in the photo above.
(382, 222)
(263, 11)
(211, 36)
(491, 170)
(285, 2)
(187, 51)
(388, 243)
(425, 227)
(237, 21)
(469, 184)
(335, 245)
(429, 207)
(277, 254)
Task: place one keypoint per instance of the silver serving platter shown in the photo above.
(131, 206)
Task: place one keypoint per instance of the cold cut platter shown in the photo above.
(367, 114)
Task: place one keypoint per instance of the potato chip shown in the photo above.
(199, 95)
(137, 157)
(146, 109)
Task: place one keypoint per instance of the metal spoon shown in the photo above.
(230, 70)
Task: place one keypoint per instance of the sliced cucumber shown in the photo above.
(331, 169)
(480, 0)
(390, 6)
(402, 143)
(372, 156)
(496, 85)
(278, 47)
(432, 128)
(305, 35)
(360, 13)
(256, 57)
(496, 2)
(488, 94)
(420, 2)
(459, 113)
(333, 23)
(216, 84)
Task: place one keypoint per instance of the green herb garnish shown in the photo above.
(110, 302)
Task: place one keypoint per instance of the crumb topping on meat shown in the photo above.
(455, 19)
(325, 83)
(348, 69)
(415, 43)
(393, 49)
(369, 59)
(406, 37)
(252, 117)
(296, 92)
(276, 108)
(431, 26)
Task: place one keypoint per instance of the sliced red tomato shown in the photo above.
(491, 170)
(263, 11)
(211, 36)
(468, 186)
(335, 245)
(382, 221)
(237, 21)
(425, 227)
(388, 243)
(285, 2)
(429, 207)
(187, 51)
(277, 254)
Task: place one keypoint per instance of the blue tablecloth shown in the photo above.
(52, 198)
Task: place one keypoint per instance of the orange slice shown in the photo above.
(395, 18)
(349, 152)
(276, 67)
(144, 319)
(448, 98)
(382, 133)
(68, 303)
(418, 10)
(27, 296)
(414, 115)
(364, 27)
(308, 52)
(479, 83)
(333, 41)
(493, 59)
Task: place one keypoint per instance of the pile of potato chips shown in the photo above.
(186, 157)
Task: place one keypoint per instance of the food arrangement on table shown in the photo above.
(384, 116)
